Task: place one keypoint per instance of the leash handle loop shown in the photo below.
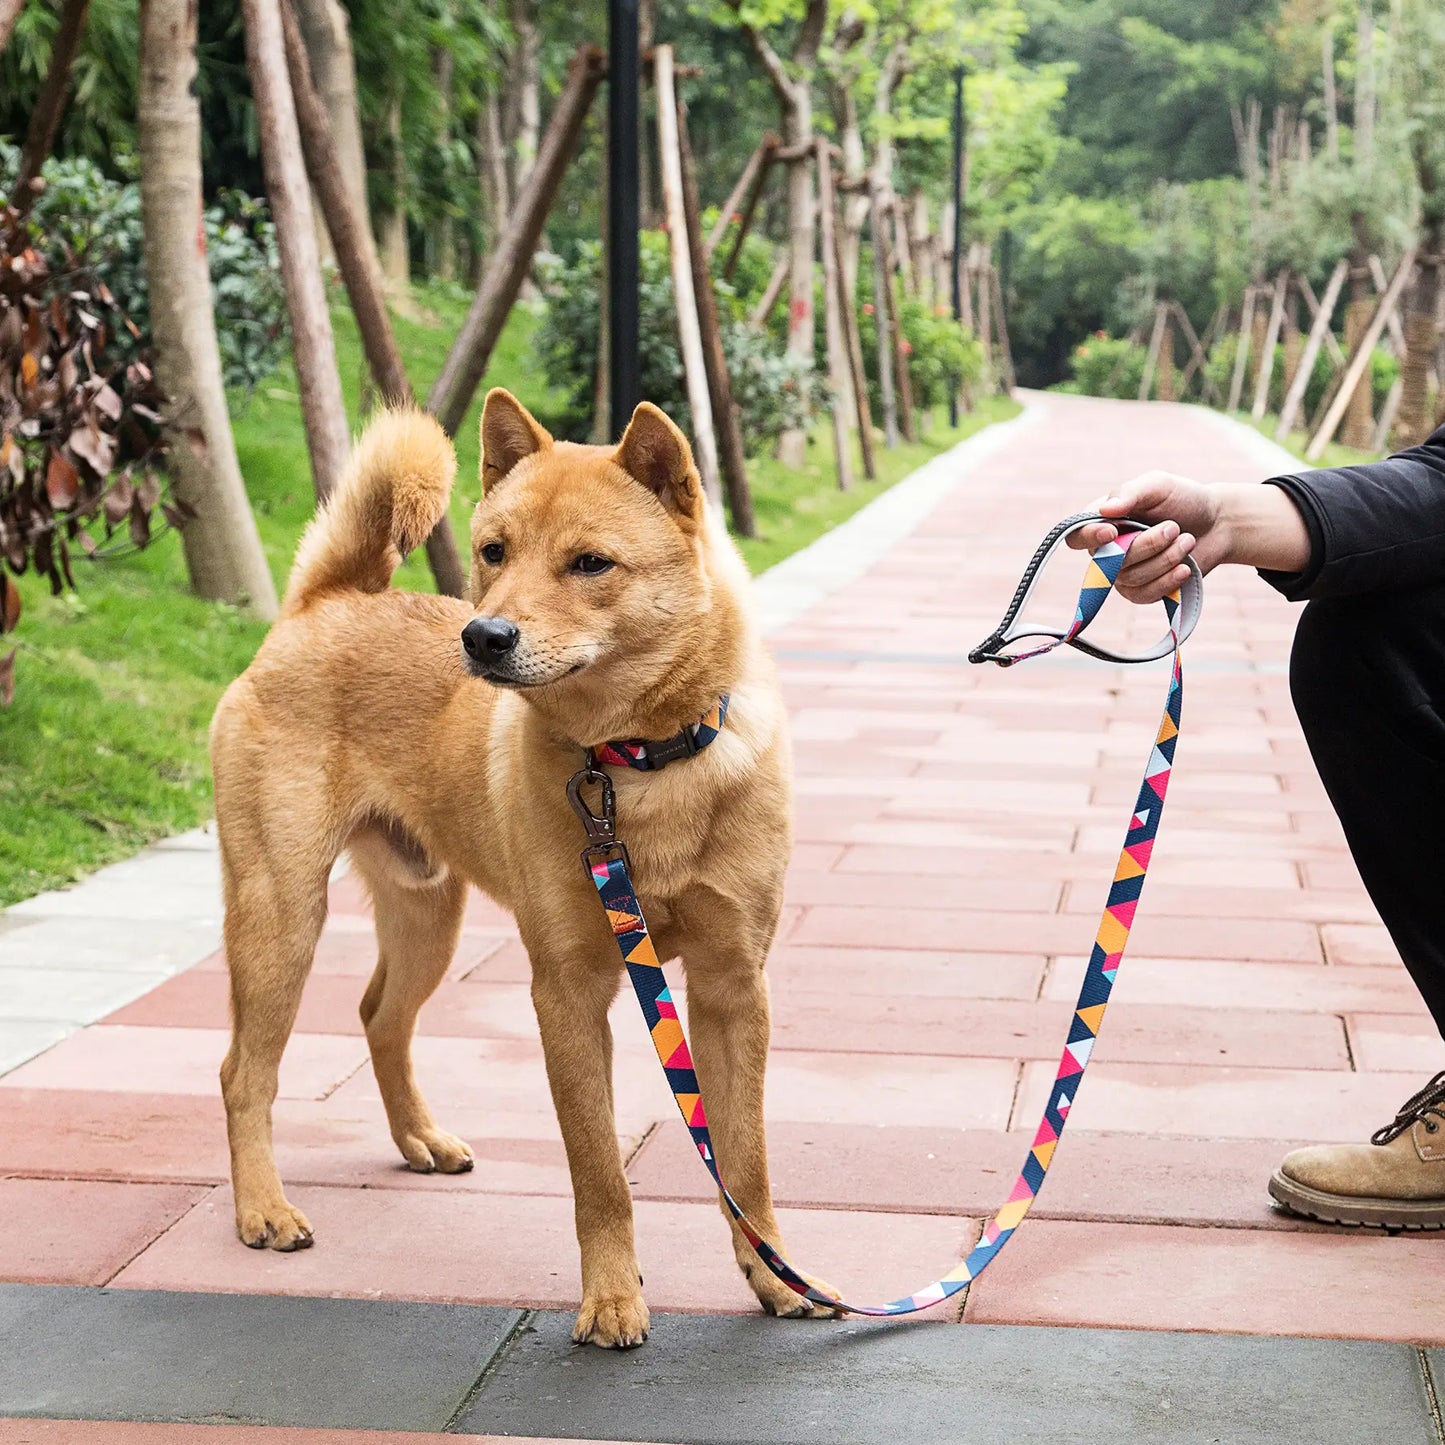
(1108, 560)
(608, 867)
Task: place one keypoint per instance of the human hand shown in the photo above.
(1187, 517)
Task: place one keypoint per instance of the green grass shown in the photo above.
(1335, 455)
(104, 747)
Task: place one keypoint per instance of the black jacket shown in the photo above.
(1373, 528)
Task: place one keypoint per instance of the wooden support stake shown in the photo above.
(1319, 329)
(735, 251)
(858, 377)
(684, 295)
(881, 328)
(328, 437)
(49, 104)
(1005, 350)
(894, 325)
(1241, 354)
(840, 383)
(749, 185)
(1397, 330)
(1199, 352)
(1388, 413)
(719, 385)
(1332, 346)
(1360, 357)
(1271, 337)
(1156, 340)
(511, 257)
(359, 273)
(771, 292)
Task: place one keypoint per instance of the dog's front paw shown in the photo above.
(434, 1151)
(779, 1299)
(273, 1226)
(616, 1322)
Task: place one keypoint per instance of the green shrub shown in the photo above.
(84, 214)
(1383, 371)
(940, 353)
(774, 391)
(1105, 365)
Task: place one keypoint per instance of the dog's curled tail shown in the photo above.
(392, 493)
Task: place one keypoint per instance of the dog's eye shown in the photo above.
(493, 553)
(591, 564)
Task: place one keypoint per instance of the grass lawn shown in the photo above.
(104, 747)
(1335, 455)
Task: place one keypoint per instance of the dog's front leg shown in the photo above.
(572, 998)
(730, 1023)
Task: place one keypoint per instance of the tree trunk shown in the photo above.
(492, 155)
(731, 458)
(322, 409)
(684, 295)
(395, 246)
(1412, 423)
(526, 90)
(1165, 386)
(222, 546)
(361, 276)
(840, 383)
(1359, 418)
(511, 256)
(802, 242)
(49, 104)
(855, 201)
(443, 236)
(326, 31)
(1293, 340)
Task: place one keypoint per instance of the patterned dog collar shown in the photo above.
(649, 756)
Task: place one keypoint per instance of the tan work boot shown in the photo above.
(1395, 1182)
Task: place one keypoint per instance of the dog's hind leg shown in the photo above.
(275, 906)
(418, 921)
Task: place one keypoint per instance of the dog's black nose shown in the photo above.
(489, 637)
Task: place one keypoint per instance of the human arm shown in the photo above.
(1334, 532)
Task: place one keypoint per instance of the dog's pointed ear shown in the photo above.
(510, 433)
(654, 451)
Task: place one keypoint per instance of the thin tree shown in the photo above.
(49, 104)
(322, 409)
(792, 82)
(222, 547)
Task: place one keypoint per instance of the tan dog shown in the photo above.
(609, 604)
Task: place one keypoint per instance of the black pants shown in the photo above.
(1368, 679)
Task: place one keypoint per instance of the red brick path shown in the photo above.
(957, 829)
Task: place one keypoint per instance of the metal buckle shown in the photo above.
(601, 827)
(669, 750)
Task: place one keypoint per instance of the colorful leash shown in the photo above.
(606, 862)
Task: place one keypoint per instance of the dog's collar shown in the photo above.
(648, 756)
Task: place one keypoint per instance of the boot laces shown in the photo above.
(1430, 1100)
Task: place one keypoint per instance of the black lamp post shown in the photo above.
(623, 212)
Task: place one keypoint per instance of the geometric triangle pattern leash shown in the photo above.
(607, 865)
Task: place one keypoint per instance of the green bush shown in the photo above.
(1383, 371)
(83, 214)
(774, 391)
(1106, 365)
(940, 353)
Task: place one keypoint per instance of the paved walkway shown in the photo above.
(957, 828)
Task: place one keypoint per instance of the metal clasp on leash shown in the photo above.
(601, 827)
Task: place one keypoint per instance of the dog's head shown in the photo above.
(588, 563)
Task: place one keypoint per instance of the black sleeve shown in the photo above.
(1373, 528)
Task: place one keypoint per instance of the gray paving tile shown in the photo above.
(732, 1381)
(240, 1359)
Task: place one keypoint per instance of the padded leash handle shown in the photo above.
(1091, 599)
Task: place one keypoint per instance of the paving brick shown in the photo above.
(1396, 1041)
(885, 972)
(1341, 1285)
(512, 1250)
(1322, 1106)
(76, 1231)
(1119, 1177)
(180, 1061)
(1367, 944)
